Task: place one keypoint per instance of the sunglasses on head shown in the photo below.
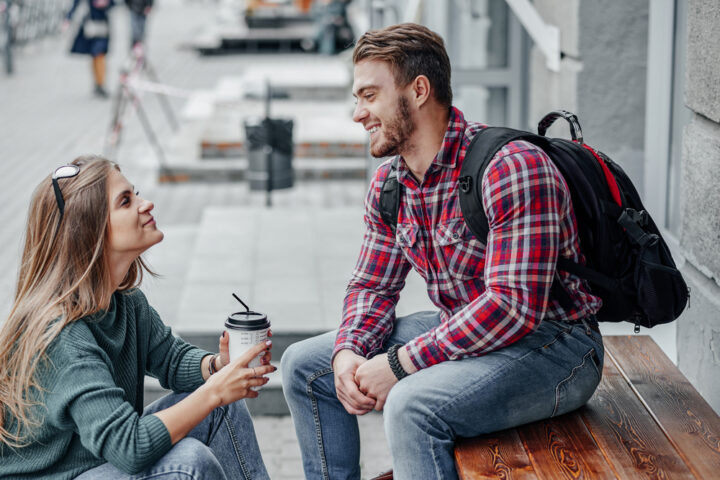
(65, 171)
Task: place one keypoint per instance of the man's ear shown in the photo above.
(420, 90)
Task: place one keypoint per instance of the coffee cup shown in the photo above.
(246, 329)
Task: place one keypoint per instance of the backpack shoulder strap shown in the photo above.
(389, 202)
(483, 147)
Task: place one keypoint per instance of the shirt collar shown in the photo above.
(450, 147)
(447, 156)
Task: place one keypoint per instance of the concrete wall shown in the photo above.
(699, 327)
(555, 90)
(602, 77)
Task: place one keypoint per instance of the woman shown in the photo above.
(93, 38)
(80, 338)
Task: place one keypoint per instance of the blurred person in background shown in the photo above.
(93, 38)
(334, 33)
(81, 337)
(139, 10)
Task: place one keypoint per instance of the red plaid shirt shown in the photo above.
(489, 296)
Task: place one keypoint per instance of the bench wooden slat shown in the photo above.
(498, 455)
(562, 447)
(690, 422)
(633, 443)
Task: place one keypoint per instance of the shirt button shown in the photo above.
(456, 236)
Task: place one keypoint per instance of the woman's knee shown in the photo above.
(237, 414)
(194, 456)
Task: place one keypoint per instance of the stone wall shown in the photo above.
(699, 328)
(602, 77)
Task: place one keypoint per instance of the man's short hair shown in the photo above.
(411, 50)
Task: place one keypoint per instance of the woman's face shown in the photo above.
(131, 229)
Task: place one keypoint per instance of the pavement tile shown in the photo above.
(49, 117)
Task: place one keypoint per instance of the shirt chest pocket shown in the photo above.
(407, 238)
(462, 254)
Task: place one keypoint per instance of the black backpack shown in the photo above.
(628, 264)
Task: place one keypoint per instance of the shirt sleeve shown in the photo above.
(375, 285)
(523, 196)
(84, 397)
(174, 362)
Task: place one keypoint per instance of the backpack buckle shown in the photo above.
(465, 184)
(634, 222)
(640, 218)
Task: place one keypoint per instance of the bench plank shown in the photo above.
(562, 447)
(633, 443)
(644, 421)
(499, 455)
(688, 420)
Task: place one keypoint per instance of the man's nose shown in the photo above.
(359, 113)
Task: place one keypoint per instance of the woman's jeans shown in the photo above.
(223, 446)
(552, 371)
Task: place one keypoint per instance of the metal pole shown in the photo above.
(167, 109)
(269, 147)
(150, 133)
(7, 33)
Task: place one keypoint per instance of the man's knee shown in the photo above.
(293, 358)
(304, 357)
(403, 410)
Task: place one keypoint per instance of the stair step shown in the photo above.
(236, 169)
(319, 149)
(281, 340)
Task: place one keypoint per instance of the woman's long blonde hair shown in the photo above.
(63, 276)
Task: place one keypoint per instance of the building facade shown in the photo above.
(643, 77)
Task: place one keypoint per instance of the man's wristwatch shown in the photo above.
(394, 361)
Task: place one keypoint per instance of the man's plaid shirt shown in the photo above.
(489, 296)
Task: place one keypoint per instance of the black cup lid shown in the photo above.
(247, 321)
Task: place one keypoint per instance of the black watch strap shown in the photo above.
(395, 365)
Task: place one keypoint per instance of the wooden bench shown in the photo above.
(644, 421)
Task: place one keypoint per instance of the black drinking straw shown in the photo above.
(243, 303)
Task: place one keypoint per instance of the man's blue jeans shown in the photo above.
(223, 446)
(552, 371)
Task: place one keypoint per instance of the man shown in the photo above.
(139, 11)
(500, 352)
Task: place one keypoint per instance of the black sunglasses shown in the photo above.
(65, 171)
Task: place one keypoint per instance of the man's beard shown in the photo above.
(396, 131)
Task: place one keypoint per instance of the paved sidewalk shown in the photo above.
(48, 117)
(293, 264)
(278, 445)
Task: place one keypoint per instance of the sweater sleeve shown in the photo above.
(174, 362)
(84, 397)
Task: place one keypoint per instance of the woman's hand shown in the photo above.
(235, 380)
(224, 349)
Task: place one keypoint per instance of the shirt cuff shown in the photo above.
(158, 432)
(190, 373)
(424, 352)
(347, 345)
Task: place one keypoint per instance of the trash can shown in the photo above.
(269, 140)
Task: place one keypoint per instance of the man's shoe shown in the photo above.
(384, 476)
